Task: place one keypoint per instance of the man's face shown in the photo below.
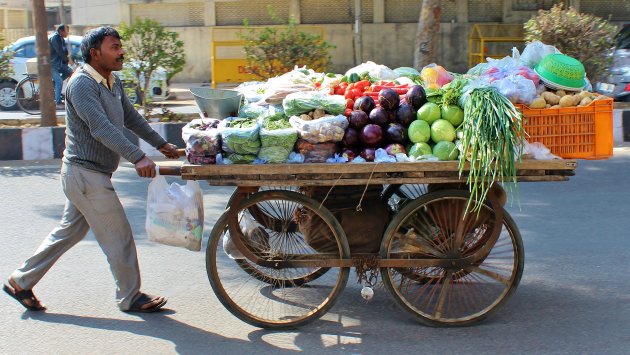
(64, 32)
(110, 56)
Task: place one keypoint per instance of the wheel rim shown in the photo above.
(28, 99)
(7, 97)
(276, 298)
(452, 296)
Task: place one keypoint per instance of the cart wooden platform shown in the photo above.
(278, 258)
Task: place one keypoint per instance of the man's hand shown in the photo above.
(145, 168)
(169, 150)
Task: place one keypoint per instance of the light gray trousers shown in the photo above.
(91, 203)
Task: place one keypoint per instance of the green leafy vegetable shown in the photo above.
(491, 142)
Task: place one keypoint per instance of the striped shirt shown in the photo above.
(96, 117)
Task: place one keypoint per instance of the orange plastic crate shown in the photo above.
(573, 132)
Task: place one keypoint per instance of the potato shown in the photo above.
(547, 106)
(561, 93)
(566, 101)
(585, 101)
(551, 98)
(538, 102)
(555, 106)
(576, 99)
(584, 94)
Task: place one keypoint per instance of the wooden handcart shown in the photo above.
(442, 265)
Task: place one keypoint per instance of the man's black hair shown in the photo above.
(61, 27)
(94, 38)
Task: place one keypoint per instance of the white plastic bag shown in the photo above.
(376, 71)
(175, 213)
(535, 52)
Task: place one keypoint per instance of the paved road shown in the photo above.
(574, 296)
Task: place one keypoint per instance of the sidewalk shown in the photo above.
(180, 101)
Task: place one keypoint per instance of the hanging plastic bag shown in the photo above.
(535, 52)
(175, 213)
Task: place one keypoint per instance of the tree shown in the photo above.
(425, 50)
(272, 51)
(5, 61)
(148, 45)
(584, 37)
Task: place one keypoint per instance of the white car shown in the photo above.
(24, 49)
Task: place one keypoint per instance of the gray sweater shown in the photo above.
(94, 125)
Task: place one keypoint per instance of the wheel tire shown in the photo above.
(27, 97)
(279, 305)
(457, 296)
(8, 100)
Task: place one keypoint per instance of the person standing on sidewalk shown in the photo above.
(97, 112)
(59, 60)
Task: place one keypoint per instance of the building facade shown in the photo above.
(388, 26)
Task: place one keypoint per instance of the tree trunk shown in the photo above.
(425, 50)
(46, 88)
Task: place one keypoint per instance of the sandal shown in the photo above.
(22, 296)
(145, 299)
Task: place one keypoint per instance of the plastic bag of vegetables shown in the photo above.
(241, 136)
(277, 138)
(203, 141)
(305, 101)
(326, 129)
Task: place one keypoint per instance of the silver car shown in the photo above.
(617, 83)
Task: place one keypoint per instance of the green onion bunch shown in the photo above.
(492, 142)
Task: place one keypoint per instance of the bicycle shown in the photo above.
(27, 94)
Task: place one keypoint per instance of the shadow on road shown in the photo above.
(186, 338)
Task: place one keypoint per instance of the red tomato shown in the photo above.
(349, 103)
(347, 112)
(348, 95)
(340, 91)
(356, 93)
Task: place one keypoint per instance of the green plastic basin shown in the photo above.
(560, 71)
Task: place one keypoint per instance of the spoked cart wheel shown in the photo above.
(278, 294)
(261, 273)
(473, 265)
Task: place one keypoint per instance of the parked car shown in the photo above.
(24, 49)
(617, 83)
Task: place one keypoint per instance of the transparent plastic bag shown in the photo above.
(305, 101)
(203, 141)
(375, 71)
(325, 129)
(435, 76)
(175, 213)
(316, 152)
(537, 150)
(240, 140)
(516, 88)
(254, 234)
(535, 52)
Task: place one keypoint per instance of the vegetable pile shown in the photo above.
(373, 113)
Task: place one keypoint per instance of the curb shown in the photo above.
(38, 143)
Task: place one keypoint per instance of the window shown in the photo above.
(26, 50)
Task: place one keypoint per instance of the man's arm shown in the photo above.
(84, 97)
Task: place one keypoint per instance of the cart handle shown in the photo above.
(170, 170)
(173, 170)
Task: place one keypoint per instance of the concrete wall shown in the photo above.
(379, 46)
(102, 12)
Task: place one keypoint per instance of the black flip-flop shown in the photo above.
(141, 301)
(23, 295)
